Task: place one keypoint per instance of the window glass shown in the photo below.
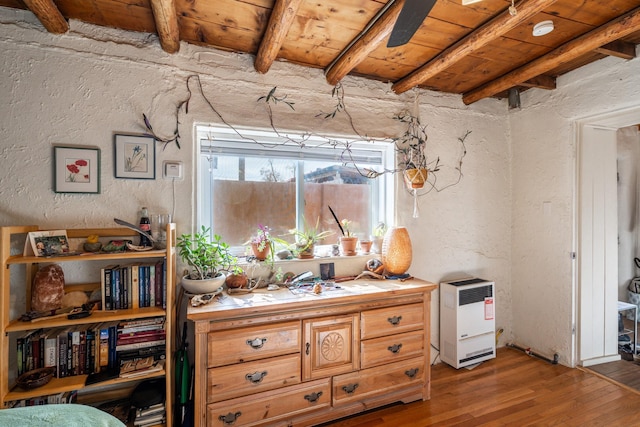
(266, 181)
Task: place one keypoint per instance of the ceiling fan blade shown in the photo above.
(409, 20)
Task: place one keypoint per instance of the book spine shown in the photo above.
(158, 281)
(91, 351)
(160, 335)
(50, 352)
(19, 356)
(106, 290)
(103, 354)
(62, 355)
(164, 284)
(116, 289)
(152, 286)
(141, 289)
(138, 345)
(112, 347)
(82, 353)
(140, 322)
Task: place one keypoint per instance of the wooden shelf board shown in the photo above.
(87, 256)
(77, 382)
(96, 317)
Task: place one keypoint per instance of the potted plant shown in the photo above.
(208, 259)
(348, 241)
(237, 278)
(306, 238)
(411, 148)
(377, 237)
(262, 244)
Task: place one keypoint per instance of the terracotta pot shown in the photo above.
(263, 254)
(236, 281)
(365, 246)
(396, 251)
(349, 245)
(415, 178)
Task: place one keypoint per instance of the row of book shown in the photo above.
(133, 286)
(62, 397)
(88, 349)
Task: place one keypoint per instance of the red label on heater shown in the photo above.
(488, 308)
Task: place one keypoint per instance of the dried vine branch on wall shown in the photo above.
(410, 146)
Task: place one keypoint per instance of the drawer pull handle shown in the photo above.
(257, 343)
(307, 347)
(313, 397)
(230, 418)
(395, 349)
(411, 373)
(350, 388)
(395, 320)
(256, 377)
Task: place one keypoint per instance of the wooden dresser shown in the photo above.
(296, 358)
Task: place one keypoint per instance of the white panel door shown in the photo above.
(597, 245)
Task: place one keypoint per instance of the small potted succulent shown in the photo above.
(208, 259)
(377, 237)
(306, 238)
(348, 242)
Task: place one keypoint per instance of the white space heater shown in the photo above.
(467, 322)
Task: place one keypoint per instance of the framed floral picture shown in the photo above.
(76, 170)
(135, 157)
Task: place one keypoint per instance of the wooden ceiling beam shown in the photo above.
(164, 14)
(618, 48)
(49, 15)
(366, 43)
(488, 32)
(607, 33)
(281, 19)
(541, 82)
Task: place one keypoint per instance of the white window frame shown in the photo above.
(215, 139)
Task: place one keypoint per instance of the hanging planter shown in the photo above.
(415, 178)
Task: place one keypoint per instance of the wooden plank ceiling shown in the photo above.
(478, 50)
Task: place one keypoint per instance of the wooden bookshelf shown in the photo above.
(10, 239)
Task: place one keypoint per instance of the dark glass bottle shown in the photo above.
(145, 225)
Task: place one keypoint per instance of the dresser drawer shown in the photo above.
(241, 379)
(391, 348)
(269, 407)
(252, 343)
(391, 320)
(378, 381)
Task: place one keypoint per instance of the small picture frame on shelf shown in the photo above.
(135, 157)
(76, 170)
(46, 243)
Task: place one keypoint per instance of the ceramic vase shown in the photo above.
(396, 251)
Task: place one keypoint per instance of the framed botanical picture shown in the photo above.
(76, 170)
(135, 157)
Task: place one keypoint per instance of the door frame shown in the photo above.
(593, 346)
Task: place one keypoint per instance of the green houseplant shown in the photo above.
(207, 258)
(306, 238)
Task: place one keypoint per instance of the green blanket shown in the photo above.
(62, 415)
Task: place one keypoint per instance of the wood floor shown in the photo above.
(512, 390)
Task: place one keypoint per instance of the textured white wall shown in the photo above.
(544, 158)
(82, 87)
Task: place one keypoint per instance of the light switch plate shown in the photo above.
(172, 169)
